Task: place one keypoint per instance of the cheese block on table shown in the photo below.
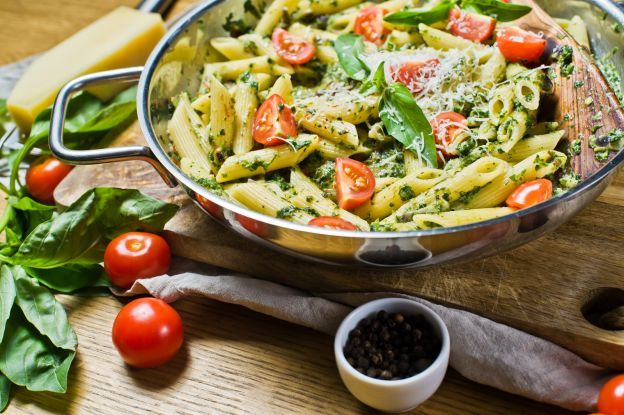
(124, 37)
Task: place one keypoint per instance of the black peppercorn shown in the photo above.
(392, 346)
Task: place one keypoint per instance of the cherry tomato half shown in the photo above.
(414, 75)
(355, 183)
(611, 398)
(369, 23)
(42, 178)
(471, 26)
(135, 255)
(530, 193)
(332, 222)
(291, 48)
(147, 332)
(518, 45)
(273, 120)
(445, 127)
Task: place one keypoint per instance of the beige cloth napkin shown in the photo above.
(481, 350)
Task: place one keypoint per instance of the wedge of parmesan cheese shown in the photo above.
(125, 37)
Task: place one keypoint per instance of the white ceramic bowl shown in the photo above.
(392, 395)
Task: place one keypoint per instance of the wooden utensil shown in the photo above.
(584, 103)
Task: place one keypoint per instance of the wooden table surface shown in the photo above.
(234, 360)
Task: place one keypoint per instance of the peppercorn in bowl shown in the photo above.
(392, 353)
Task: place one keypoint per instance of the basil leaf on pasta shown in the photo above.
(503, 12)
(349, 48)
(414, 17)
(406, 122)
(376, 82)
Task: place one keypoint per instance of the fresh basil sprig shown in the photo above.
(349, 48)
(376, 82)
(406, 122)
(501, 11)
(414, 17)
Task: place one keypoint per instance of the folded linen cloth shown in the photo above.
(481, 350)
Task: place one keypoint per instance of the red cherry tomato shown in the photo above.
(332, 222)
(471, 26)
(355, 183)
(530, 193)
(42, 179)
(273, 120)
(611, 398)
(415, 74)
(291, 48)
(147, 332)
(518, 45)
(369, 23)
(445, 127)
(135, 255)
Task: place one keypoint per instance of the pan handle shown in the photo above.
(104, 155)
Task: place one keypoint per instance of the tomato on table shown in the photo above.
(42, 178)
(147, 332)
(446, 126)
(611, 398)
(355, 183)
(274, 122)
(369, 23)
(135, 255)
(519, 45)
(471, 26)
(291, 48)
(530, 193)
(415, 74)
(332, 222)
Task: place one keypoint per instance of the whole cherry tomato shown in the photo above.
(135, 255)
(611, 398)
(355, 183)
(332, 222)
(274, 120)
(291, 48)
(530, 193)
(42, 178)
(518, 45)
(147, 332)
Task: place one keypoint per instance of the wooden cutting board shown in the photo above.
(543, 287)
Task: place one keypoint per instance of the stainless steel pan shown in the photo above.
(168, 72)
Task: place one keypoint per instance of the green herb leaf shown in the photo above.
(5, 118)
(42, 310)
(349, 48)
(72, 277)
(7, 297)
(375, 83)
(414, 17)
(29, 359)
(503, 12)
(405, 121)
(79, 234)
(5, 391)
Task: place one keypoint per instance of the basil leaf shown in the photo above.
(5, 391)
(72, 277)
(376, 82)
(414, 17)
(7, 297)
(349, 48)
(79, 234)
(503, 12)
(405, 121)
(29, 205)
(5, 118)
(29, 359)
(42, 310)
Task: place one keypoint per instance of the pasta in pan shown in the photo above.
(385, 117)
